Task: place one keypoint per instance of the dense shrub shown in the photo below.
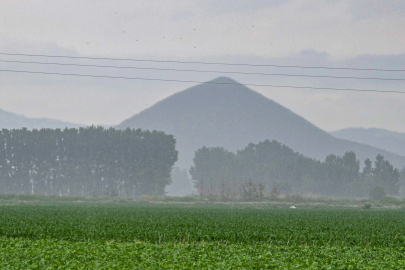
(377, 193)
(390, 200)
(367, 205)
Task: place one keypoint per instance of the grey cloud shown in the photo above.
(365, 9)
(231, 6)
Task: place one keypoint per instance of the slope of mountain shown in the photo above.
(381, 138)
(220, 113)
(13, 121)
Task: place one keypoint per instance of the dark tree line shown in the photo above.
(272, 164)
(90, 161)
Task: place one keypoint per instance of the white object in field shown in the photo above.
(292, 207)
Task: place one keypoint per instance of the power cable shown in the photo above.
(204, 71)
(211, 82)
(203, 63)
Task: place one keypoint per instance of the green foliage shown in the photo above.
(275, 192)
(59, 254)
(85, 161)
(377, 193)
(296, 198)
(284, 187)
(182, 237)
(402, 182)
(390, 200)
(275, 164)
(168, 224)
(367, 205)
(386, 175)
(251, 191)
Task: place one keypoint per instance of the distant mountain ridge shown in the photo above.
(220, 113)
(377, 137)
(13, 121)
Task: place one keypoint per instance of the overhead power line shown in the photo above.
(203, 71)
(203, 63)
(210, 82)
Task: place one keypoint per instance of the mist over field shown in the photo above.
(218, 138)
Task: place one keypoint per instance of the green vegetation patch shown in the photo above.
(59, 254)
(195, 224)
(127, 236)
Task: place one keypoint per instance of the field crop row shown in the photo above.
(174, 224)
(59, 254)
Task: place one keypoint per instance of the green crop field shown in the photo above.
(136, 236)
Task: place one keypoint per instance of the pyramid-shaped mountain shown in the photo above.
(225, 113)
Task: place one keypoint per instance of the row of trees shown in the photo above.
(271, 164)
(90, 161)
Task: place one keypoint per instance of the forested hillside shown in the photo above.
(381, 138)
(273, 166)
(227, 114)
(11, 121)
(89, 161)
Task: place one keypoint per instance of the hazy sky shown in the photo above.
(336, 33)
